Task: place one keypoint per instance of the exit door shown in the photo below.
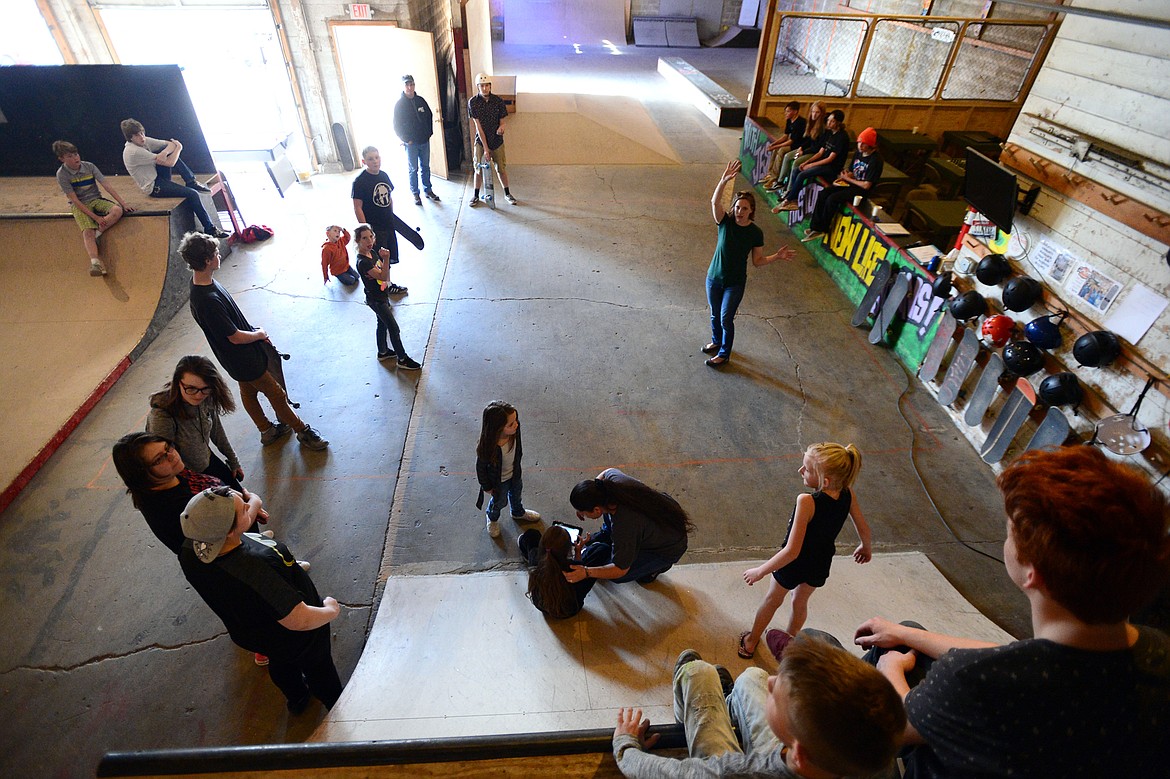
(372, 58)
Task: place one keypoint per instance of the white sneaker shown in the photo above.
(96, 268)
(305, 565)
(511, 200)
(493, 528)
(527, 516)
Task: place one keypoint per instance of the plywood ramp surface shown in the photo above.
(481, 660)
(63, 331)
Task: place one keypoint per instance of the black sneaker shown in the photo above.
(417, 200)
(726, 682)
(215, 232)
(408, 364)
(432, 196)
(383, 356)
(195, 185)
(298, 706)
(311, 439)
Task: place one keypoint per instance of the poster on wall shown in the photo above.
(1141, 308)
(1092, 286)
(1052, 260)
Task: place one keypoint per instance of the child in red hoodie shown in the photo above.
(335, 256)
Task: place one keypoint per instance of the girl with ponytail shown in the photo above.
(803, 563)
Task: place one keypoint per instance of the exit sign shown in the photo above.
(359, 11)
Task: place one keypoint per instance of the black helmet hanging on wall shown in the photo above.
(1044, 332)
(941, 286)
(1023, 358)
(969, 305)
(1061, 389)
(1097, 349)
(1021, 293)
(993, 269)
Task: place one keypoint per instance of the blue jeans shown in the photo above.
(508, 492)
(165, 187)
(645, 564)
(418, 156)
(802, 177)
(348, 277)
(724, 303)
(387, 325)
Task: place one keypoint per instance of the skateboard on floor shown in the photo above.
(943, 337)
(1053, 431)
(881, 280)
(960, 368)
(1011, 418)
(984, 391)
(893, 301)
(489, 184)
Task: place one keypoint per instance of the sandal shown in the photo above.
(716, 361)
(394, 289)
(710, 348)
(743, 650)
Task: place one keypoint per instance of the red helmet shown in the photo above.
(997, 330)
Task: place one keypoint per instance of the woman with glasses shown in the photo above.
(161, 484)
(739, 238)
(187, 411)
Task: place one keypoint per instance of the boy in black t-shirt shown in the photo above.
(239, 347)
(858, 179)
(794, 128)
(265, 599)
(373, 204)
(827, 162)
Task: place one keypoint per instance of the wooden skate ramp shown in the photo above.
(66, 335)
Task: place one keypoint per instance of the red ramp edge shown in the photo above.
(30, 470)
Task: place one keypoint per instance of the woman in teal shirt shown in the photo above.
(739, 237)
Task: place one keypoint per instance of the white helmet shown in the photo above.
(483, 78)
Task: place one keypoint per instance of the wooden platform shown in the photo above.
(68, 336)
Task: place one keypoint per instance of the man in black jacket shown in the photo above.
(414, 124)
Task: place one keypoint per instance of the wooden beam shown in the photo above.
(55, 30)
(1144, 218)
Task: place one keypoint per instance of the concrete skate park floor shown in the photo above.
(584, 306)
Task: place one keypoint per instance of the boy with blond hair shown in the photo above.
(79, 180)
(335, 256)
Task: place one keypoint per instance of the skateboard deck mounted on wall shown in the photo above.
(1011, 418)
(939, 347)
(881, 280)
(984, 391)
(1053, 431)
(960, 368)
(889, 309)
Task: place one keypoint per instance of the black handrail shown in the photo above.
(271, 757)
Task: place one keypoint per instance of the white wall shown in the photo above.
(1109, 80)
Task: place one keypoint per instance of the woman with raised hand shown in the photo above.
(739, 238)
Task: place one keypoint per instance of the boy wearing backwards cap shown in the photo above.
(265, 599)
(854, 181)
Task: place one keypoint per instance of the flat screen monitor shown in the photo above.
(990, 189)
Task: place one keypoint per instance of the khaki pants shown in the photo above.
(269, 387)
